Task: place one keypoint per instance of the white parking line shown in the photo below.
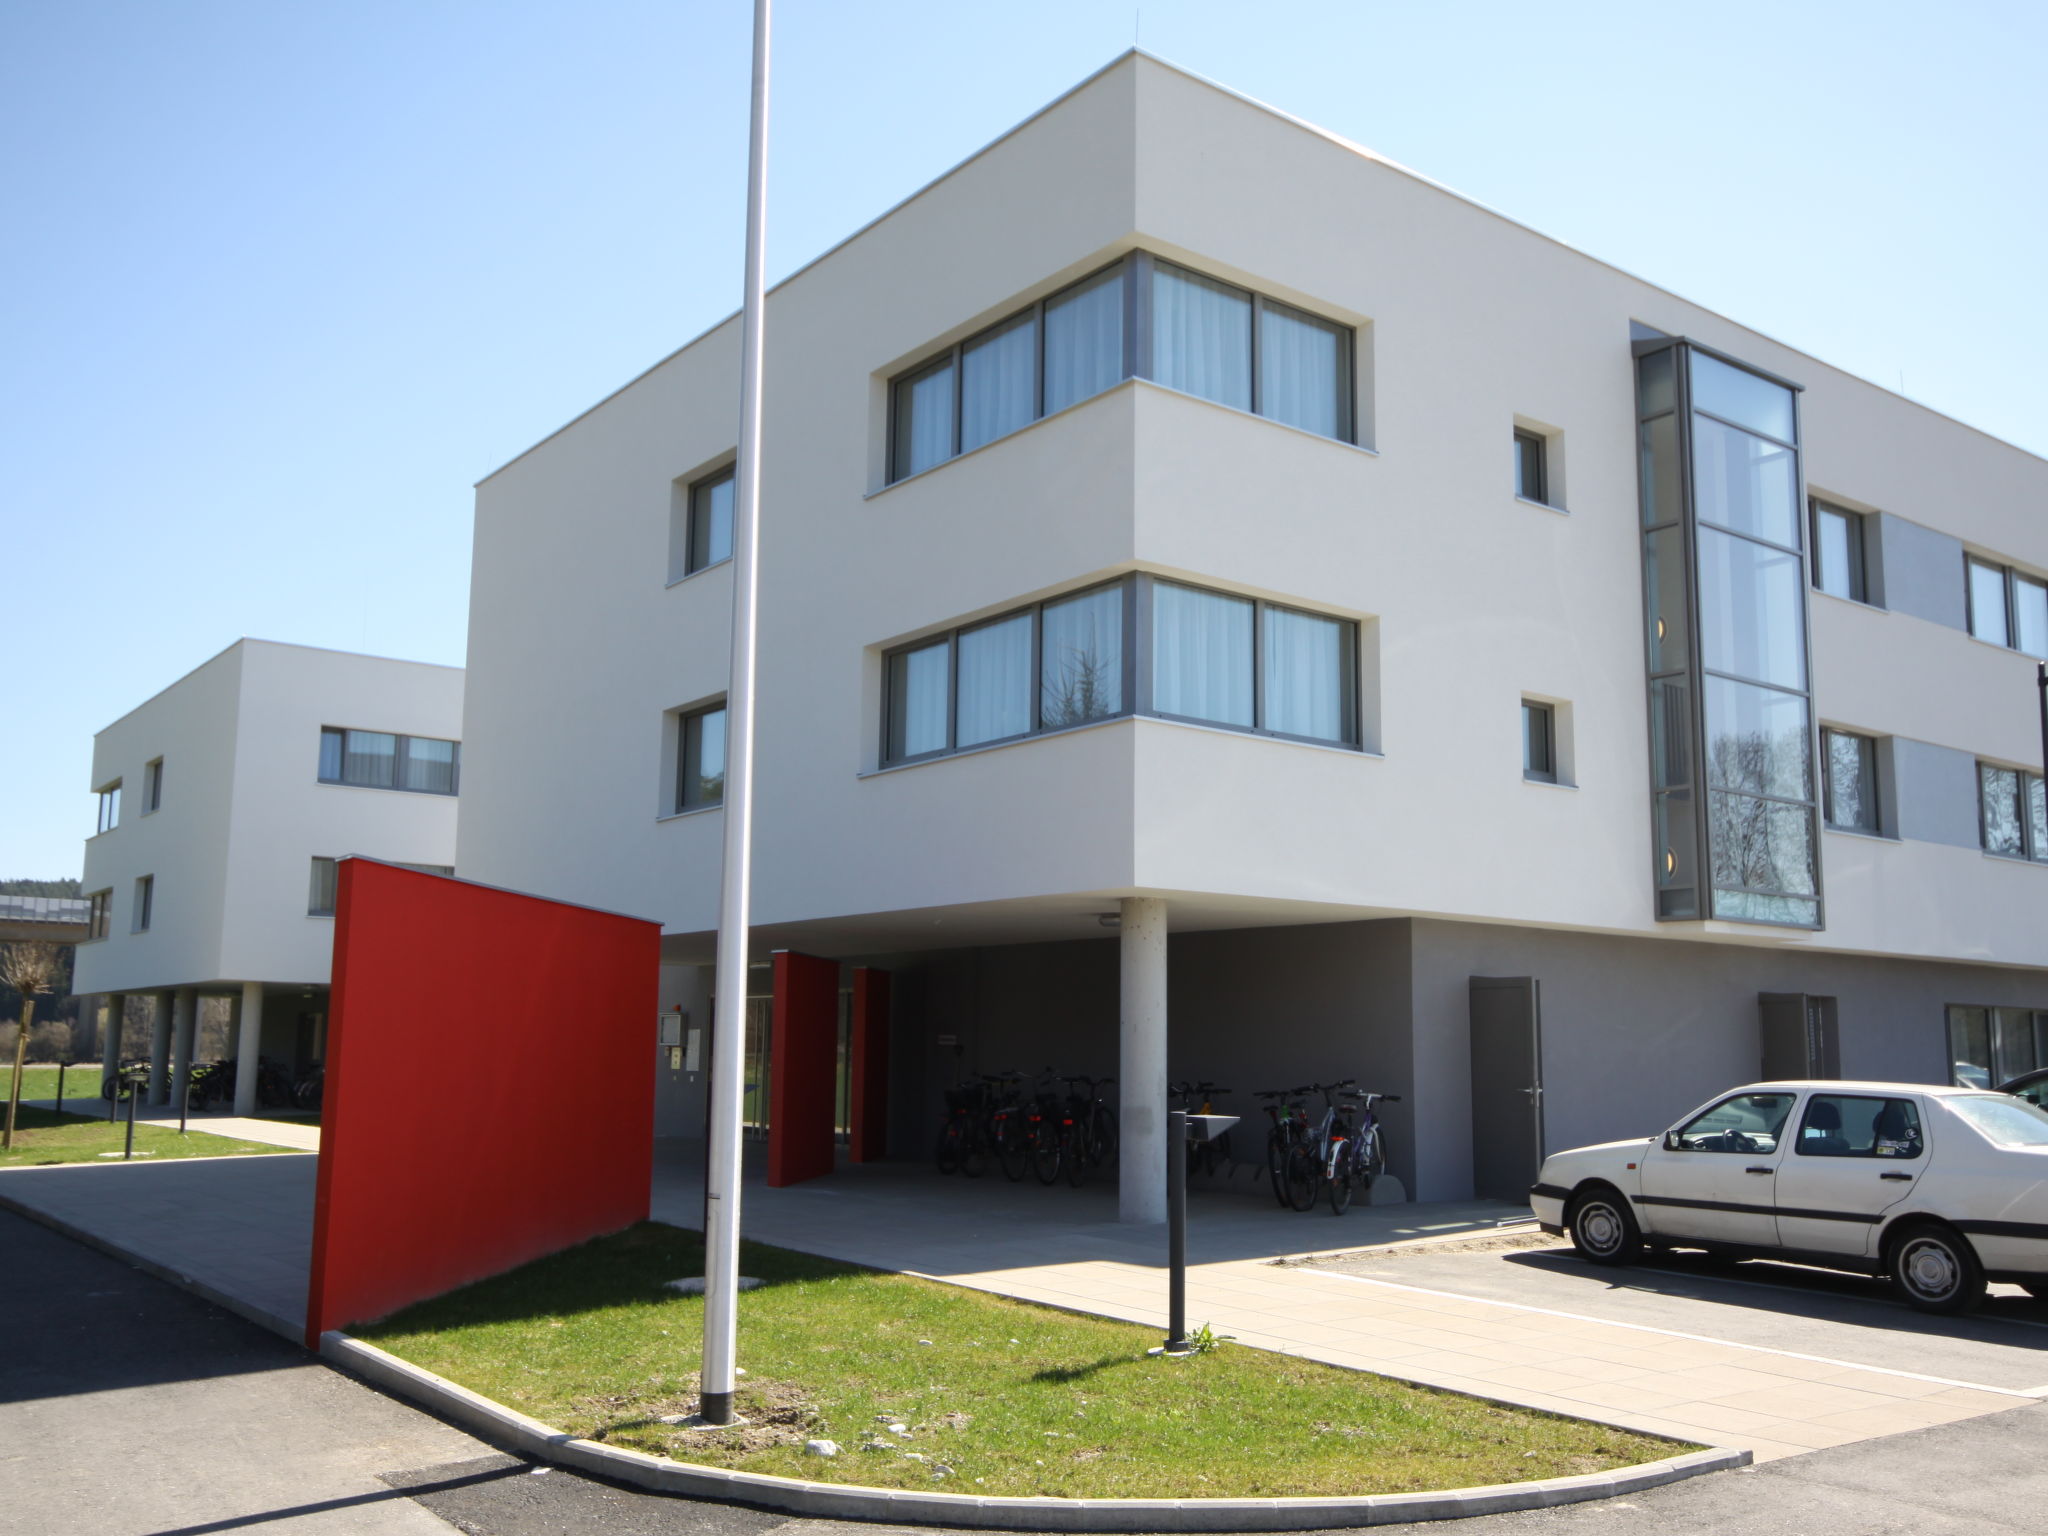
(1696, 1338)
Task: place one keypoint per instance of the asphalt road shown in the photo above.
(129, 1408)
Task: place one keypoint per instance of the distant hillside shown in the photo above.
(41, 888)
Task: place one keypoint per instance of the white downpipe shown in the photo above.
(728, 1024)
(1141, 1073)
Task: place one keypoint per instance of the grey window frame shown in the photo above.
(108, 815)
(1136, 676)
(401, 747)
(1547, 713)
(145, 903)
(2032, 849)
(314, 885)
(1540, 446)
(1824, 768)
(692, 510)
(684, 777)
(1137, 267)
(1859, 523)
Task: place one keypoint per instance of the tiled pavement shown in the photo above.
(240, 1228)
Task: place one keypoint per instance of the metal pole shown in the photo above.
(134, 1093)
(60, 1085)
(184, 1107)
(1177, 1231)
(2041, 683)
(728, 1024)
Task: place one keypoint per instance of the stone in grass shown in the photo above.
(822, 1447)
(694, 1286)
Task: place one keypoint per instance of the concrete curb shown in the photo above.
(839, 1501)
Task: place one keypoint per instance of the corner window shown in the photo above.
(109, 816)
(1539, 742)
(152, 785)
(1851, 788)
(1530, 479)
(320, 894)
(99, 914)
(1838, 563)
(2008, 607)
(145, 899)
(700, 764)
(1201, 336)
(2012, 815)
(384, 760)
(709, 539)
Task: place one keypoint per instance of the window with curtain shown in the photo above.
(1306, 661)
(1201, 336)
(994, 682)
(1081, 667)
(700, 764)
(320, 897)
(924, 420)
(1202, 654)
(1305, 371)
(918, 685)
(385, 760)
(429, 766)
(999, 381)
(710, 522)
(370, 758)
(1084, 339)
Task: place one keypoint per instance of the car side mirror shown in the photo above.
(1671, 1142)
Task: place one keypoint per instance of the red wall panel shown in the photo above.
(490, 1091)
(868, 1130)
(803, 1068)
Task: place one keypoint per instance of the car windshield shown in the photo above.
(2002, 1119)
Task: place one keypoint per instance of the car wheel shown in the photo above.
(1603, 1228)
(1936, 1270)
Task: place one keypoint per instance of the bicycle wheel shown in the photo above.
(1374, 1156)
(974, 1151)
(1011, 1151)
(1046, 1152)
(1341, 1184)
(1102, 1136)
(1302, 1176)
(947, 1153)
(1276, 1166)
(1076, 1152)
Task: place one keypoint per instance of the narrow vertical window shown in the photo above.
(994, 682)
(1539, 743)
(2037, 818)
(330, 754)
(1987, 602)
(1998, 796)
(918, 685)
(1201, 336)
(152, 785)
(999, 381)
(710, 522)
(1851, 762)
(2030, 615)
(320, 889)
(924, 420)
(145, 900)
(1084, 339)
(1201, 655)
(1529, 467)
(101, 912)
(109, 816)
(700, 770)
(1304, 370)
(1838, 553)
(1081, 660)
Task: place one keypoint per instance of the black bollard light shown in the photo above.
(134, 1093)
(1181, 1127)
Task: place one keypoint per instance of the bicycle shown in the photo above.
(1087, 1128)
(1198, 1099)
(1354, 1153)
(116, 1082)
(958, 1149)
(1284, 1137)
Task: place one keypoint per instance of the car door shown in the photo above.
(1855, 1156)
(1713, 1179)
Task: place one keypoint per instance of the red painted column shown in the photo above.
(869, 1067)
(803, 1067)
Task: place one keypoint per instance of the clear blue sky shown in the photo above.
(280, 281)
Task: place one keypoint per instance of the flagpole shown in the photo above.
(728, 1024)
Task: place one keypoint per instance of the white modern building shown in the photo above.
(223, 803)
(1443, 659)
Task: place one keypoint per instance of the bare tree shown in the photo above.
(31, 969)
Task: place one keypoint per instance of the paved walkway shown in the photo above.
(1064, 1248)
(299, 1135)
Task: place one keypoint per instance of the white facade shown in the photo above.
(242, 813)
(1468, 600)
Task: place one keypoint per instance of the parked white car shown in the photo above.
(1939, 1188)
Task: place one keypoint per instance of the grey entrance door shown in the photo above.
(1507, 1086)
(1800, 1037)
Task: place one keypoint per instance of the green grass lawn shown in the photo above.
(1009, 1398)
(42, 1137)
(81, 1081)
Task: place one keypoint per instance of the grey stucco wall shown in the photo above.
(1922, 572)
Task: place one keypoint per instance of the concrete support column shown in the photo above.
(248, 1046)
(1141, 1074)
(110, 1036)
(160, 1052)
(184, 1026)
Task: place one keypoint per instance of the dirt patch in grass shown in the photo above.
(921, 1383)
